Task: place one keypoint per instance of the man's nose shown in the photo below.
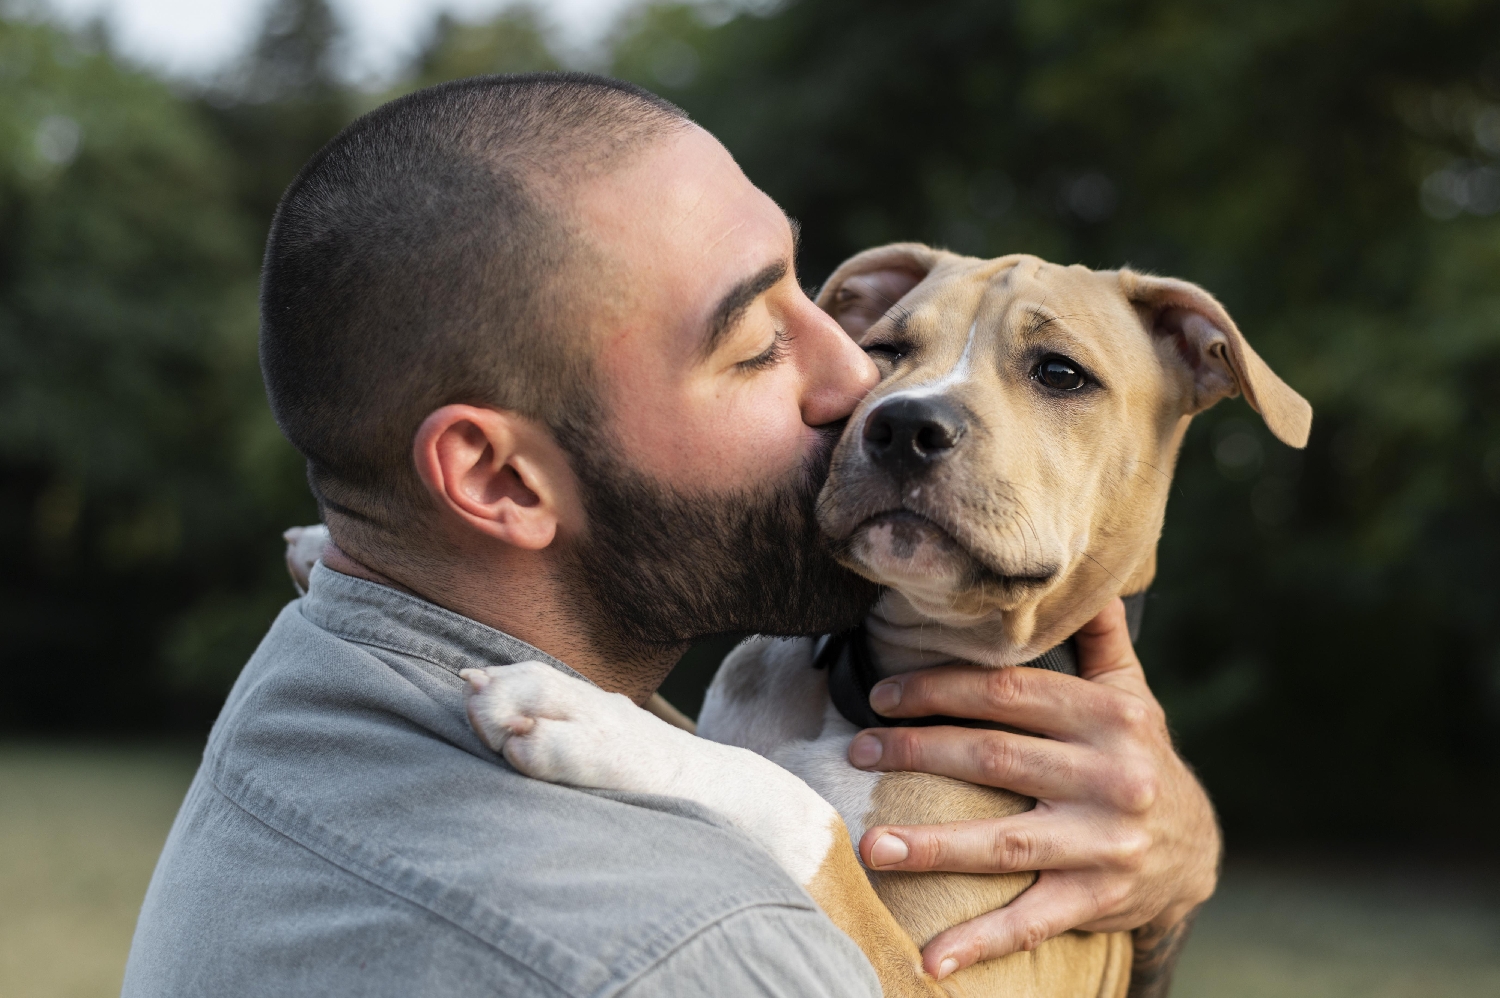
(906, 436)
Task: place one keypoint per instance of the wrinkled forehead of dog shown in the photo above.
(869, 288)
(920, 293)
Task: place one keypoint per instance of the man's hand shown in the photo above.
(1123, 834)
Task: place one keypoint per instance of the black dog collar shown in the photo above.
(851, 674)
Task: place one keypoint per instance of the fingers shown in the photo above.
(1104, 645)
(1035, 767)
(1048, 703)
(1036, 840)
(1049, 907)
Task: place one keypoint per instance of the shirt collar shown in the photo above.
(369, 613)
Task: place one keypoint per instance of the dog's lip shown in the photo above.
(1035, 578)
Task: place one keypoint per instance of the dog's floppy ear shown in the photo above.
(1214, 351)
(864, 286)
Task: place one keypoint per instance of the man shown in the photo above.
(563, 399)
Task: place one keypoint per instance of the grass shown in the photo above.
(80, 829)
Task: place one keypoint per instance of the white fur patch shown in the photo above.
(823, 764)
(553, 727)
(764, 695)
(957, 375)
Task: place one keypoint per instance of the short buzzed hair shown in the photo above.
(414, 264)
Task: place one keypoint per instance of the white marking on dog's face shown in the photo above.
(959, 373)
(1035, 499)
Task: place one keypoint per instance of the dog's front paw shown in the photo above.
(304, 546)
(553, 727)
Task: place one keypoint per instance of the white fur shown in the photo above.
(557, 728)
(957, 375)
(766, 693)
(304, 546)
(823, 764)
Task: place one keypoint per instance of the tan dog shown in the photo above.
(1006, 480)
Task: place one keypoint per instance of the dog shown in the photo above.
(1006, 480)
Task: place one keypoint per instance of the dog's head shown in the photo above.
(1015, 460)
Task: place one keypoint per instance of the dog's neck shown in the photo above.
(902, 638)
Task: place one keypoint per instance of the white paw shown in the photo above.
(304, 546)
(553, 727)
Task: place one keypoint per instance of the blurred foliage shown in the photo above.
(1325, 628)
(513, 42)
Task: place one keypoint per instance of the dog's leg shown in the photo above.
(304, 546)
(556, 728)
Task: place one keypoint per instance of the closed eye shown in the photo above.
(892, 352)
(770, 356)
(1060, 374)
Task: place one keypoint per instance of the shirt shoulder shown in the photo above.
(343, 779)
(765, 951)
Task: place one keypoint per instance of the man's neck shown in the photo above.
(527, 612)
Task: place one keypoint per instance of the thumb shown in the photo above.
(1104, 644)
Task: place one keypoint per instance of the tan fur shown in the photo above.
(1058, 502)
(925, 904)
(1070, 492)
(842, 891)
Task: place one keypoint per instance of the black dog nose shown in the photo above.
(907, 435)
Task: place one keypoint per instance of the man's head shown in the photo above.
(424, 257)
(545, 324)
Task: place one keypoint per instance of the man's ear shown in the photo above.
(865, 286)
(499, 473)
(1221, 362)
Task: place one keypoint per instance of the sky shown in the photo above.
(197, 37)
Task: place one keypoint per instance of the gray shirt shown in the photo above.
(349, 834)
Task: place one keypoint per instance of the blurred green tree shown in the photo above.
(281, 102)
(141, 478)
(513, 41)
(1324, 628)
(1326, 625)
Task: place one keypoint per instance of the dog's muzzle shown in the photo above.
(907, 436)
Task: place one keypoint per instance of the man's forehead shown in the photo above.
(684, 174)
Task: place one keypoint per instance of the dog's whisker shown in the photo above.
(1106, 571)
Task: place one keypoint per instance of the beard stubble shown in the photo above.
(658, 568)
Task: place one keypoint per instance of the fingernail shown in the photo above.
(948, 966)
(888, 851)
(886, 696)
(865, 751)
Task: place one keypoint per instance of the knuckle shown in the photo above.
(1129, 851)
(1136, 787)
(1014, 850)
(1132, 714)
(1141, 719)
(1032, 933)
(1006, 687)
(902, 748)
(996, 759)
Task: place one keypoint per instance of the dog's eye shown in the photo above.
(1060, 373)
(886, 351)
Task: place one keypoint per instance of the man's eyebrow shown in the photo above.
(733, 306)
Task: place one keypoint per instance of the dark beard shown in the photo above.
(659, 569)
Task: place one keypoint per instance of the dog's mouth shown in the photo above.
(900, 547)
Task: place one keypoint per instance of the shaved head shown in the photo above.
(419, 260)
